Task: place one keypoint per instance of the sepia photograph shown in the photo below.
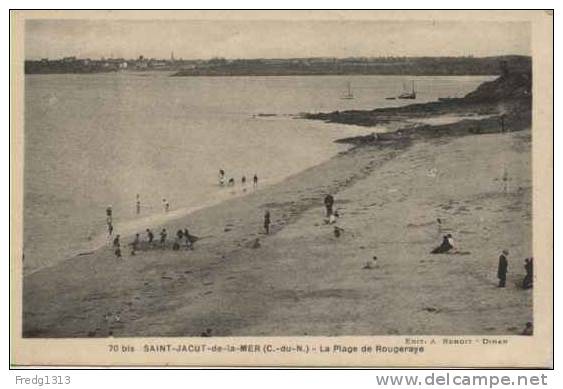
(282, 175)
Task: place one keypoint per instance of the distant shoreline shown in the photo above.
(399, 66)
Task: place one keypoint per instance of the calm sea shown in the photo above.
(98, 140)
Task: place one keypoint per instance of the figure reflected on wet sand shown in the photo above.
(116, 242)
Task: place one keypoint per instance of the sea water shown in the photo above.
(97, 140)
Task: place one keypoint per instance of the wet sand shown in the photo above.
(304, 281)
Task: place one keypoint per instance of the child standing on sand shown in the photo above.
(150, 236)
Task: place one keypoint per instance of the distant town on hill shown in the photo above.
(467, 65)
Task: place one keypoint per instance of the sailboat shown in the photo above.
(408, 95)
(349, 95)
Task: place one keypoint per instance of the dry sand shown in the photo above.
(304, 281)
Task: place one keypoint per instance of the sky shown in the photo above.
(204, 39)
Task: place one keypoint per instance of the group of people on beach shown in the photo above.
(109, 212)
(502, 271)
(448, 246)
(183, 238)
(231, 181)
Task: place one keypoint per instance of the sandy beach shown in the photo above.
(302, 280)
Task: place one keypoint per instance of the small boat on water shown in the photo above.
(408, 95)
(349, 95)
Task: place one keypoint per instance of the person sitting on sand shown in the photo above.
(451, 242)
(231, 182)
(444, 247)
(529, 329)
(150, 236)
(163, 237)
(267, 222)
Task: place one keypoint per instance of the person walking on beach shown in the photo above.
(138, 205)
(163, 237)
(243, 183)
(221, 177)
(502, 268)
(109, 212)
(110, 229)
(267, 222)
(116, 242)
(255, 180)
(329, 201)
(135, 244)
(150, 236)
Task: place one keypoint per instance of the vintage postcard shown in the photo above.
(282, 188)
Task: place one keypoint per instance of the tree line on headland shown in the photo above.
(286, 67)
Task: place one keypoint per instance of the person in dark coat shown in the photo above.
(329, 201)
(502, 268)
(163, 234)
(267, 222)
(528, 281)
